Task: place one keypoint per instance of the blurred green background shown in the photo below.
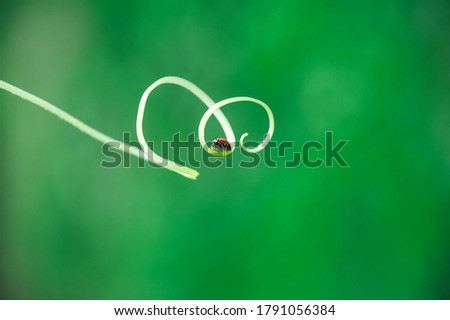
(376, 73)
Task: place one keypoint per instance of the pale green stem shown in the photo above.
(97, 135)
(147, 153)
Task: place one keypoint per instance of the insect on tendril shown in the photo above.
(219, 147)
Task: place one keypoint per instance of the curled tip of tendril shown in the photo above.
(217, 106)
(219, 147)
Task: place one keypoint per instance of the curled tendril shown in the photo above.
(147, 153)
(216, 108)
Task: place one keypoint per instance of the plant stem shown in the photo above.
(93, 133)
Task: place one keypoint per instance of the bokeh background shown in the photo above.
(376, 73)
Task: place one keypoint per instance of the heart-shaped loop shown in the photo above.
(213, 109)
(149, 153)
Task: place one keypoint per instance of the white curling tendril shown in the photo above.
(147, 153)
(215, 108)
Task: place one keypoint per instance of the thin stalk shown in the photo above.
(146, 152)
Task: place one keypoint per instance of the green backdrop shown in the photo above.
(376, 73)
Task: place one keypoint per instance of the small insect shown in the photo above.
(220, 147)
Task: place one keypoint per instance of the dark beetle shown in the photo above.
(220, 144)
